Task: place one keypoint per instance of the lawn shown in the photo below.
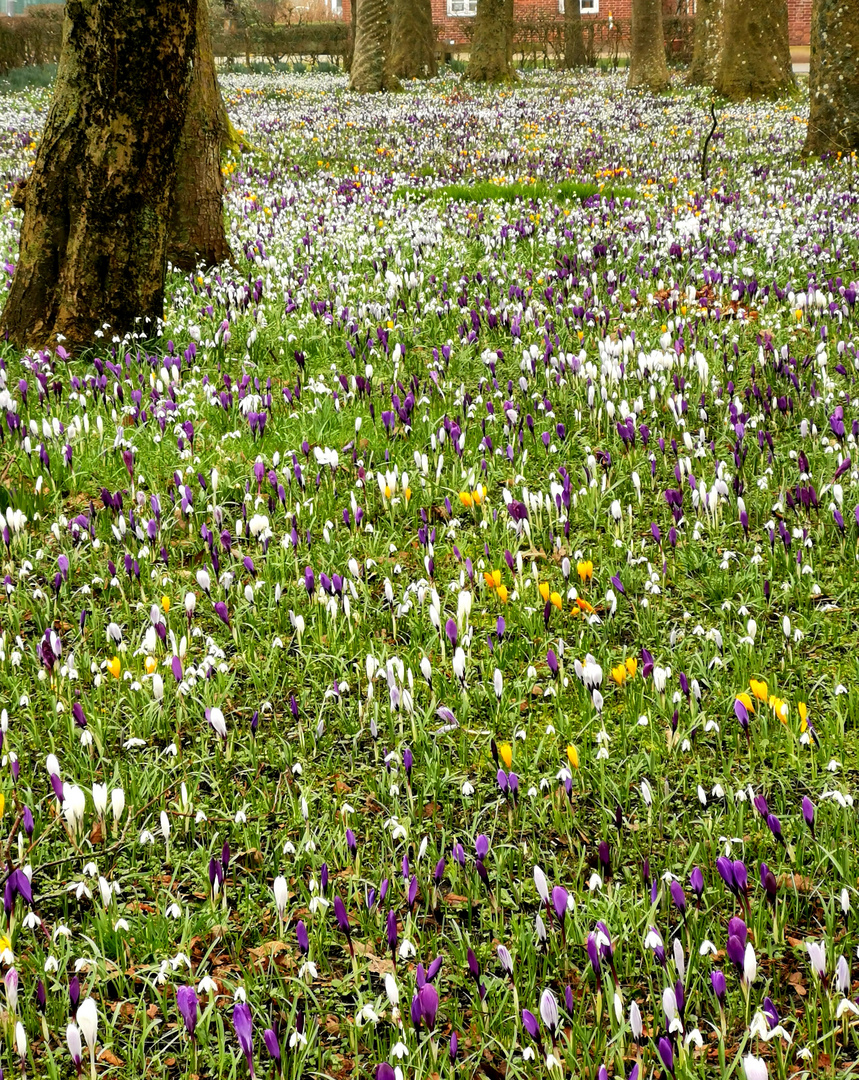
(434, 650)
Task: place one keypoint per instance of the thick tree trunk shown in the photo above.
(709, 39)
(196, 233)
(491, 59)
(574, 42)
(369, 72)
(756, 53)
(94, 238)
(412, 40)
(648, 69)
(833, 121)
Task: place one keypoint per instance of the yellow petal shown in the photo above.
(619, 674)
(502, 593)
(496, 578)
(747, 701)
(505, 752)
(555, 599)
(573, 756)
(759, 689)
(631, 667)
(465, 499)
(165, 603)
(544, 591)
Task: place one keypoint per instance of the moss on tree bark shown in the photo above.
(709, 40)
(833, 120)
(412, 53)
(756, 59)
(94, 237)
(370, 72)
(574, 42)
(648, 69)
(196, 232)
(491, 58)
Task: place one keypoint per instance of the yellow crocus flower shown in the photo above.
(505, 752)
(544, 591)
(585, 570)
(555, 599)
(573, 756)
(114, 666)
(759, 689)
(502, 593)
(165, 604)
(151, 665)
(747, 701)
(631, 667)
(619, 674)
(465, 499)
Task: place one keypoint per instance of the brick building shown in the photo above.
(450, 16)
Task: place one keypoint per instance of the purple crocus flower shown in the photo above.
(560, 900)
(717, 981)
(450, 630)
(186, 1002)
(384, 1071)
(678, 896)
(531, 1024)
(666, 1054)
(243, 1025)
(428, 1000)
(552, 661)
(301, 935)
(808, 813)
(269, 1037)
(696, 881)
(343, 921)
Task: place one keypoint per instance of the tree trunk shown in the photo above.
(196, 233)
(94, 237)
(648, 69)
(574, 42)
(709, 39)
(756, 53)
(492, 45)
(369, 72)
(412, 40)
(833, 121)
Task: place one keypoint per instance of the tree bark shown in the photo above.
(196, 232)
(412, 40)
(648, 69)
(756, 53)
(574, 42)
(94, 237)
(833, 121)
(370, 72)
(709, 39)
(491, 59)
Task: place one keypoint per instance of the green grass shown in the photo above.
(487, 191)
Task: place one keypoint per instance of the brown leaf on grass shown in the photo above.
(152, 1011)
(96, 833)
(332, 1025)
(269, 948)
(110, 1058)
(796, 881)
(795, 980)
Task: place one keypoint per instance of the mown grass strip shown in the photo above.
(486, 191)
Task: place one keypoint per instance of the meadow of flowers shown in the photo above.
(436, 654)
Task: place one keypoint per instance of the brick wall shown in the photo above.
(453, 28)
(799, 21)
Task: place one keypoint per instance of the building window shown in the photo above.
(461, 8)
(587, 7)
